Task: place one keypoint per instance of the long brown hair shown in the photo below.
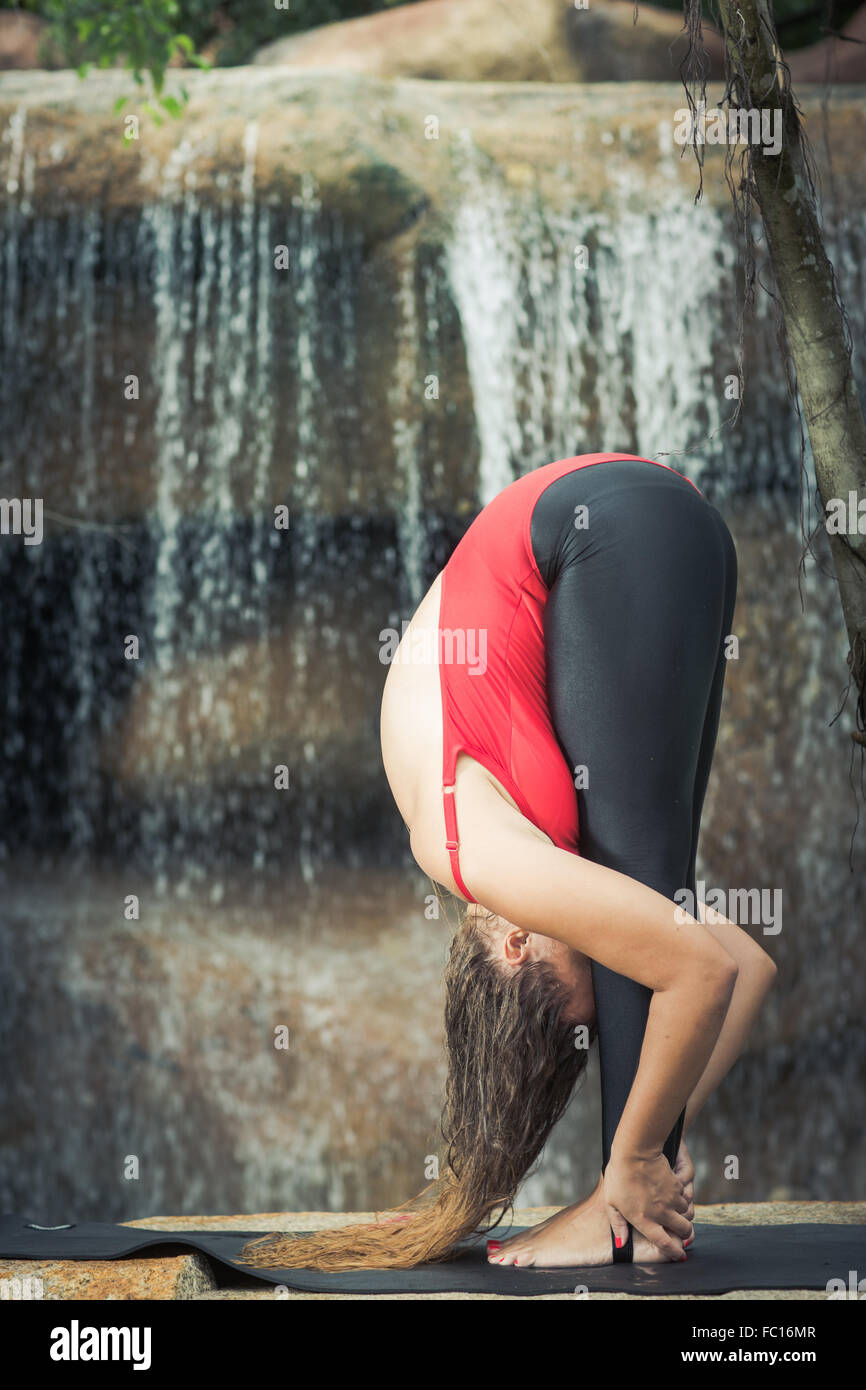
(512, 1066)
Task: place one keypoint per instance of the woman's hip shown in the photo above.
(630, 518)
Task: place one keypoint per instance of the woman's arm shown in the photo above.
(631, 929)
(756, 974)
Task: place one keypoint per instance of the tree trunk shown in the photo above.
(812, 312)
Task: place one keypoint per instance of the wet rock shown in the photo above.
(247, 1041)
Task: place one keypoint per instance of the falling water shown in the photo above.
(406, 423)
(588, 334)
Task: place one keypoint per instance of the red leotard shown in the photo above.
(494, 696)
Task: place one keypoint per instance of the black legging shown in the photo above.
(640, 604)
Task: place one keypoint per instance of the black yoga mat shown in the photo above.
(723, 1258)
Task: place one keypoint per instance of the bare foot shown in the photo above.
(578, 1235)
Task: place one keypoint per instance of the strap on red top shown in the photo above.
(452, 843)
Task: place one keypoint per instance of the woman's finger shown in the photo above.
(669, 1245)
(618, 1225)
(685, 1239)
(678, 1225)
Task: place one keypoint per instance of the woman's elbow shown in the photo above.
(716, 975)
(723, 978)
(766, 971)
(756, 973)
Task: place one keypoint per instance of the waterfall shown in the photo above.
(484, 274)
(212, 360)
(245, 325)
(587, 333)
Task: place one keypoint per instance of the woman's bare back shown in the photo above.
(411, 739)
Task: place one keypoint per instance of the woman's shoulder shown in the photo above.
(483, 810)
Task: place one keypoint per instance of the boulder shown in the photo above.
(834, 59)
(484, 41)
(23, 41)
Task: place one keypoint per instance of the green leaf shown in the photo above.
(120, 103)
(171, 105)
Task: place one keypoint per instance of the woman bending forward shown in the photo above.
(547, 728)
